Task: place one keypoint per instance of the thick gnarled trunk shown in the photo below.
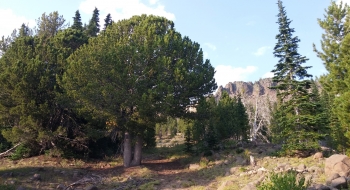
(138, 151)
(130, 160)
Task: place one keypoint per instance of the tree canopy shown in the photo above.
(139, 71)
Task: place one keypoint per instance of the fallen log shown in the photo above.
(7, 152)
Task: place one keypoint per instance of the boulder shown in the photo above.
(318, 155)
(337, 163)
(331, 177)
(340, 183)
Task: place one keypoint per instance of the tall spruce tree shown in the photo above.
(77, 24)
(93, 28)
(295, 126)
(108, 21)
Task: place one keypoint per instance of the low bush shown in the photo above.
(286, 181)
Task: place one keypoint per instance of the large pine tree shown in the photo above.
(296, 125)
(333, 48)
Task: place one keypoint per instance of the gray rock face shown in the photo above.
(248, 90)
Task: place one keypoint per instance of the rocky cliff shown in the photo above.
(250, 91)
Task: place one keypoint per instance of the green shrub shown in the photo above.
(239, 150)
(286, 181)
(21, 152)
(7, 187)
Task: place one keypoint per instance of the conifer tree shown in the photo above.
(49, 25)
(295, 122)
(242, 120)
(149, 72)
(77, 24)
(336, 26)
(24, 31)
(93, 28)
(108, 21)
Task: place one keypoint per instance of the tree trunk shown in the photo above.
(127, 150)
(138, 151)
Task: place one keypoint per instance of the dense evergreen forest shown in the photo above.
(90, 91)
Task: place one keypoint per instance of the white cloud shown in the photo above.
(152, 2)
(211, 46)
(268, 75)
(344, 1)
(124, 9)
(226, 73)
(261, 51)
(8, 25)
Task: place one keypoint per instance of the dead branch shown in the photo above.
(91, 179)
(7, 152)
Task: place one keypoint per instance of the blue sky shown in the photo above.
(237, 36)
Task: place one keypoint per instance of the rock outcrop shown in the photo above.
(337, 164)
(249, 91)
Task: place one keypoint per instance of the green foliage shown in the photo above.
(49, 25)
(77, 24)
(217, 122)
(138, 72)
(93, 28)
(108, 21)
(4, 144)
(286, 181)
(21, 152)
(239, 150)
(103, 147)
(298, 121)
(7, 187)
(334, 55)
(35, 109)
(149, 138)
(188, 141)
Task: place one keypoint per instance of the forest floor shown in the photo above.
(162, 168)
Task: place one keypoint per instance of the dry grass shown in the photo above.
(163, 168)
